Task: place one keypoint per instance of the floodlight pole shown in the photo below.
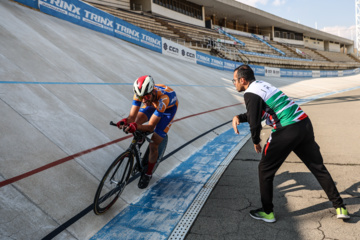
(357, 14)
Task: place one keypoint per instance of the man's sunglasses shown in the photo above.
(145, 97)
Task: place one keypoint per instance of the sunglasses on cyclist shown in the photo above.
(145, 97)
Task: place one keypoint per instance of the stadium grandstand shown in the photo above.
(237, 32)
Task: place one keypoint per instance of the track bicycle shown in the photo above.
(122, 168)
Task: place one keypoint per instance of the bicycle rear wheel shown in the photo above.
(113, 183)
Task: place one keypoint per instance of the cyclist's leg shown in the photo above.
(154, 148)
(153, 152)
(162, 147)
(160, 133)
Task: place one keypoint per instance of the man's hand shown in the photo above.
(122, 123)
(131, 128)
(235, 123)
(257, 148)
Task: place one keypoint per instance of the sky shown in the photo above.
(332, 16)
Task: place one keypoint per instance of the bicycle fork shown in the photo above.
(131, 157)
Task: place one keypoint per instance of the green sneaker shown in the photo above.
(259, 214)
(342, 213)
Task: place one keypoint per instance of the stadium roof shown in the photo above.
(233, 10)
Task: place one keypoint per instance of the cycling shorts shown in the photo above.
(165, 122)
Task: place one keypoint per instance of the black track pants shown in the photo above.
(299, 138)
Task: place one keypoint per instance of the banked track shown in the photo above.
(60, 85)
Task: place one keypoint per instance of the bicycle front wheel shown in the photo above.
(113, 183)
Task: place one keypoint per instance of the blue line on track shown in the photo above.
(94, 83)
(63, 83)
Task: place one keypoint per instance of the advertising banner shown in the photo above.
(298, 73)
(334, 74)
(323, 73)
(286, 72)
(272, 72)
(79, 13)
(307, 73)
(209, 61)
(331, 73)
(98, 20)
(68, 10)
(316, 74)
(176, 50)
(258, 70)
(231, 65)
(137, 35)
(349, 72)
(302, 73)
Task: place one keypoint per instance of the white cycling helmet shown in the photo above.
(143, 85)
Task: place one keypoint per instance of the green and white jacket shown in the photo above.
(265, 102)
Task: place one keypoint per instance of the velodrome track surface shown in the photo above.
(60, 85)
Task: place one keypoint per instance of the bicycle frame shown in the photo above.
(134, 149)
(119, 181)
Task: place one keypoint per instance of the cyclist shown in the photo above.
(159, 106)
(292, 131)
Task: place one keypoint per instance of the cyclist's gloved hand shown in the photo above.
(122, 122)
(131, 128)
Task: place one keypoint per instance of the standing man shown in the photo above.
(159, 108)
(292, 131)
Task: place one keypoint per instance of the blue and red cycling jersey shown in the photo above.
(165, 99)
(164, 106)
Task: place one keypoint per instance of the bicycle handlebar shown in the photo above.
(137, 132)
(113, 124)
